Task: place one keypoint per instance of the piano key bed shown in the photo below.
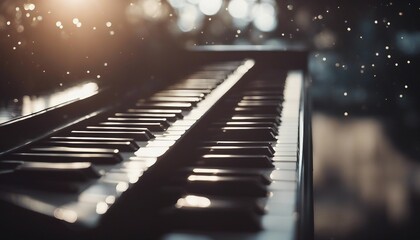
(217, 154)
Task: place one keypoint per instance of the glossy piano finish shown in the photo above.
(288, 208)
(11, 109)
(103, 204)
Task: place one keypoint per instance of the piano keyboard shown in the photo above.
(241, 178)
(244, 174)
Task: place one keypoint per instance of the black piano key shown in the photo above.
(195, 213)
(136, 135)
(259, 107)
(122, 129)
(165, 105)
(75, 171)
(242, 133)
(238, 161)
(265, 85)
(258, 103)
(246, 186)
(52, 177)
(264, 98)
(154, 127)
(262, 92)
(199, 84)
(255, 118)
(199, 81)
(251, 150)
(177, 112)
(232, 172)
(192, 100)
(202, 80)
(8, 166)
(187, 86)
(163, 121)
(59, 149)
(169, 117)
(124, 146)
(238, 143)
(16, 181)
(271, 125)
(258, 110)
(183, 92)
(96, 158)
(88, 139)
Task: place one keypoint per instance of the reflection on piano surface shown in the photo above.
(28, 105)
(166, 144)
(219, 151)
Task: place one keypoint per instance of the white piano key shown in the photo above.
(280, 175)
(285, 166)
(282, 186)
(279, 223)
(284, 159)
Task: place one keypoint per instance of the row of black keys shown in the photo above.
(225, 187)
(61, 161)
(228, 171)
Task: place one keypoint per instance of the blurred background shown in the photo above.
(363, 61)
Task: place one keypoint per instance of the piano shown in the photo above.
(216, 147)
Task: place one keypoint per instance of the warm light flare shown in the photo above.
(29, 6)
(32, 104)
(69, 3)
(68, 10)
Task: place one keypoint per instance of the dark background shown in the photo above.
(366, 119)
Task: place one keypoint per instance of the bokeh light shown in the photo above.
(210, 8)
